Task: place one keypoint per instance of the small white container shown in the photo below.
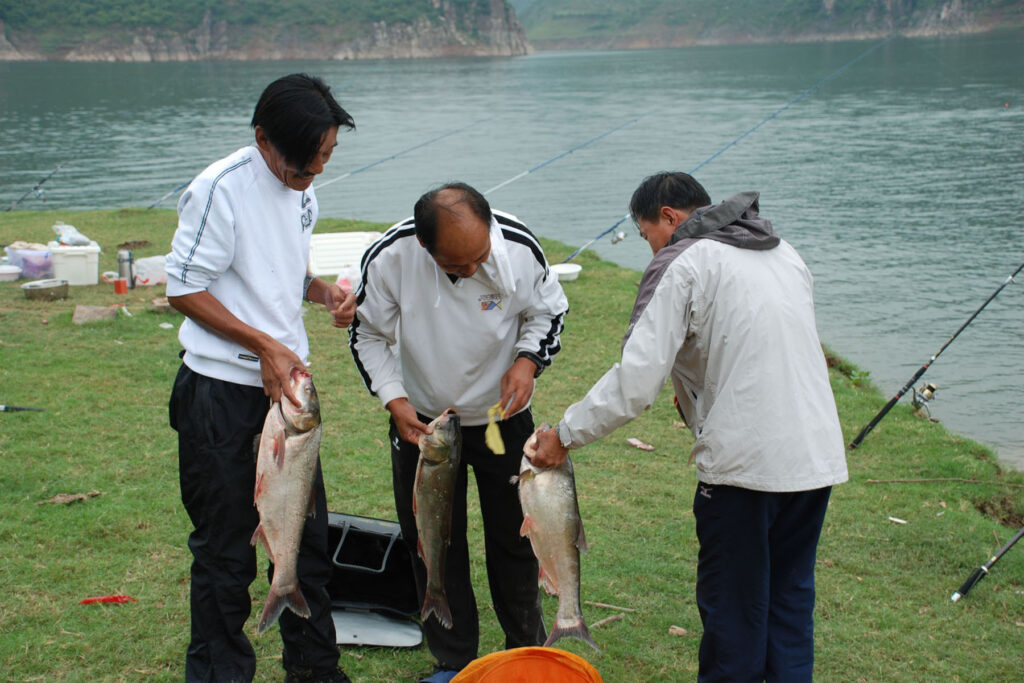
(77, 265)
(9, 273)
(567, 271)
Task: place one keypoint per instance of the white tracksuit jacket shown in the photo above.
(242, 235)
(445, 342)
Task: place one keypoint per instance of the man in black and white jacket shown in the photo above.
(458, 309)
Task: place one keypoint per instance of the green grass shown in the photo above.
(884, 612)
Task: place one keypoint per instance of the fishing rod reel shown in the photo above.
(618, 237)
(923, 395)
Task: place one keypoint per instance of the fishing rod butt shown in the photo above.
(878, 418)
(969, 583)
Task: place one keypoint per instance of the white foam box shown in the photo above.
(77, 265)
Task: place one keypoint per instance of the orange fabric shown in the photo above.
(529, 665)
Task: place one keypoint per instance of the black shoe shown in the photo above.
(336, 676)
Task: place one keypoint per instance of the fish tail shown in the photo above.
(438, 606)
(272, 609)
(576, 630)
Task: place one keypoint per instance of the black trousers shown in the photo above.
(512, 569)
(217, 423)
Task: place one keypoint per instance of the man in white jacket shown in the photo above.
(726, 310)
(238, 271)
(458, 309)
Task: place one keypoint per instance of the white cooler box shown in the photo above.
(77, 265)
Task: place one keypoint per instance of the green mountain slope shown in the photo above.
(640, 23)
(156, 30)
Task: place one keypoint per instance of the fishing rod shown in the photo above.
(917, 375)
(173, 191)
(398, 154)
(350, 173)
(565, 153)
(36, 189)
(982, 571)
(735, 141)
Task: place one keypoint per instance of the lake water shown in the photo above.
(900, 180)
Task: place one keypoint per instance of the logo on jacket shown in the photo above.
(307, 213)
(489, 302)
(705, 491)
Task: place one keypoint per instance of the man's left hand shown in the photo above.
(517, 385)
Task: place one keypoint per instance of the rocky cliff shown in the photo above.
(489, 29)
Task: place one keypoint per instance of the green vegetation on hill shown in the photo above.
(618, 21)
(46, 14)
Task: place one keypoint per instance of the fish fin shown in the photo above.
(438, 606)
(581, 538)
(527, 526)
(419, 549)
(548, 582)
(278, 443)
(256, 489)
(261, 536)
(272, 609)
(576, 630)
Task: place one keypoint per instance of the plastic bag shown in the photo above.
(150, 271)
(69, 236)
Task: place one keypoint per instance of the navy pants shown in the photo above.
(512, 569)
(217, 423)
(755, 582)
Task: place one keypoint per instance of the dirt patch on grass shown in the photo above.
(1005, 510)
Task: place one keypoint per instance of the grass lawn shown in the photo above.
(924, 507)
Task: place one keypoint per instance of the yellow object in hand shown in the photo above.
(492, 435)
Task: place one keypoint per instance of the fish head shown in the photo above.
(306, 415)
(445, 441)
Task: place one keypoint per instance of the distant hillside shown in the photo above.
(187, 30)
(559, 24)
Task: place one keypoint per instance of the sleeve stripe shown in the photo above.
(551, 344)
(206, 214)
(516, 231)
(404, 229)
(352, 334)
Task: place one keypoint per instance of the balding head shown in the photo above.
(453, 224)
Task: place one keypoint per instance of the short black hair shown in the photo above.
(668, 188)
(295, 112)
(427, 207)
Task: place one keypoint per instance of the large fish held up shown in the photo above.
(436, 471)
(285, 470)
(551, 518)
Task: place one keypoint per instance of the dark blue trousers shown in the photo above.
(755, 582)
(217, 423)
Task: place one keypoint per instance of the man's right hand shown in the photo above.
(276, 363)
(406, 421)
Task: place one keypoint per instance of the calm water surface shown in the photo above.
(900, 180)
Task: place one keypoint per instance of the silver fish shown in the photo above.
(285, 470)
(551, 518)
(438, 466)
